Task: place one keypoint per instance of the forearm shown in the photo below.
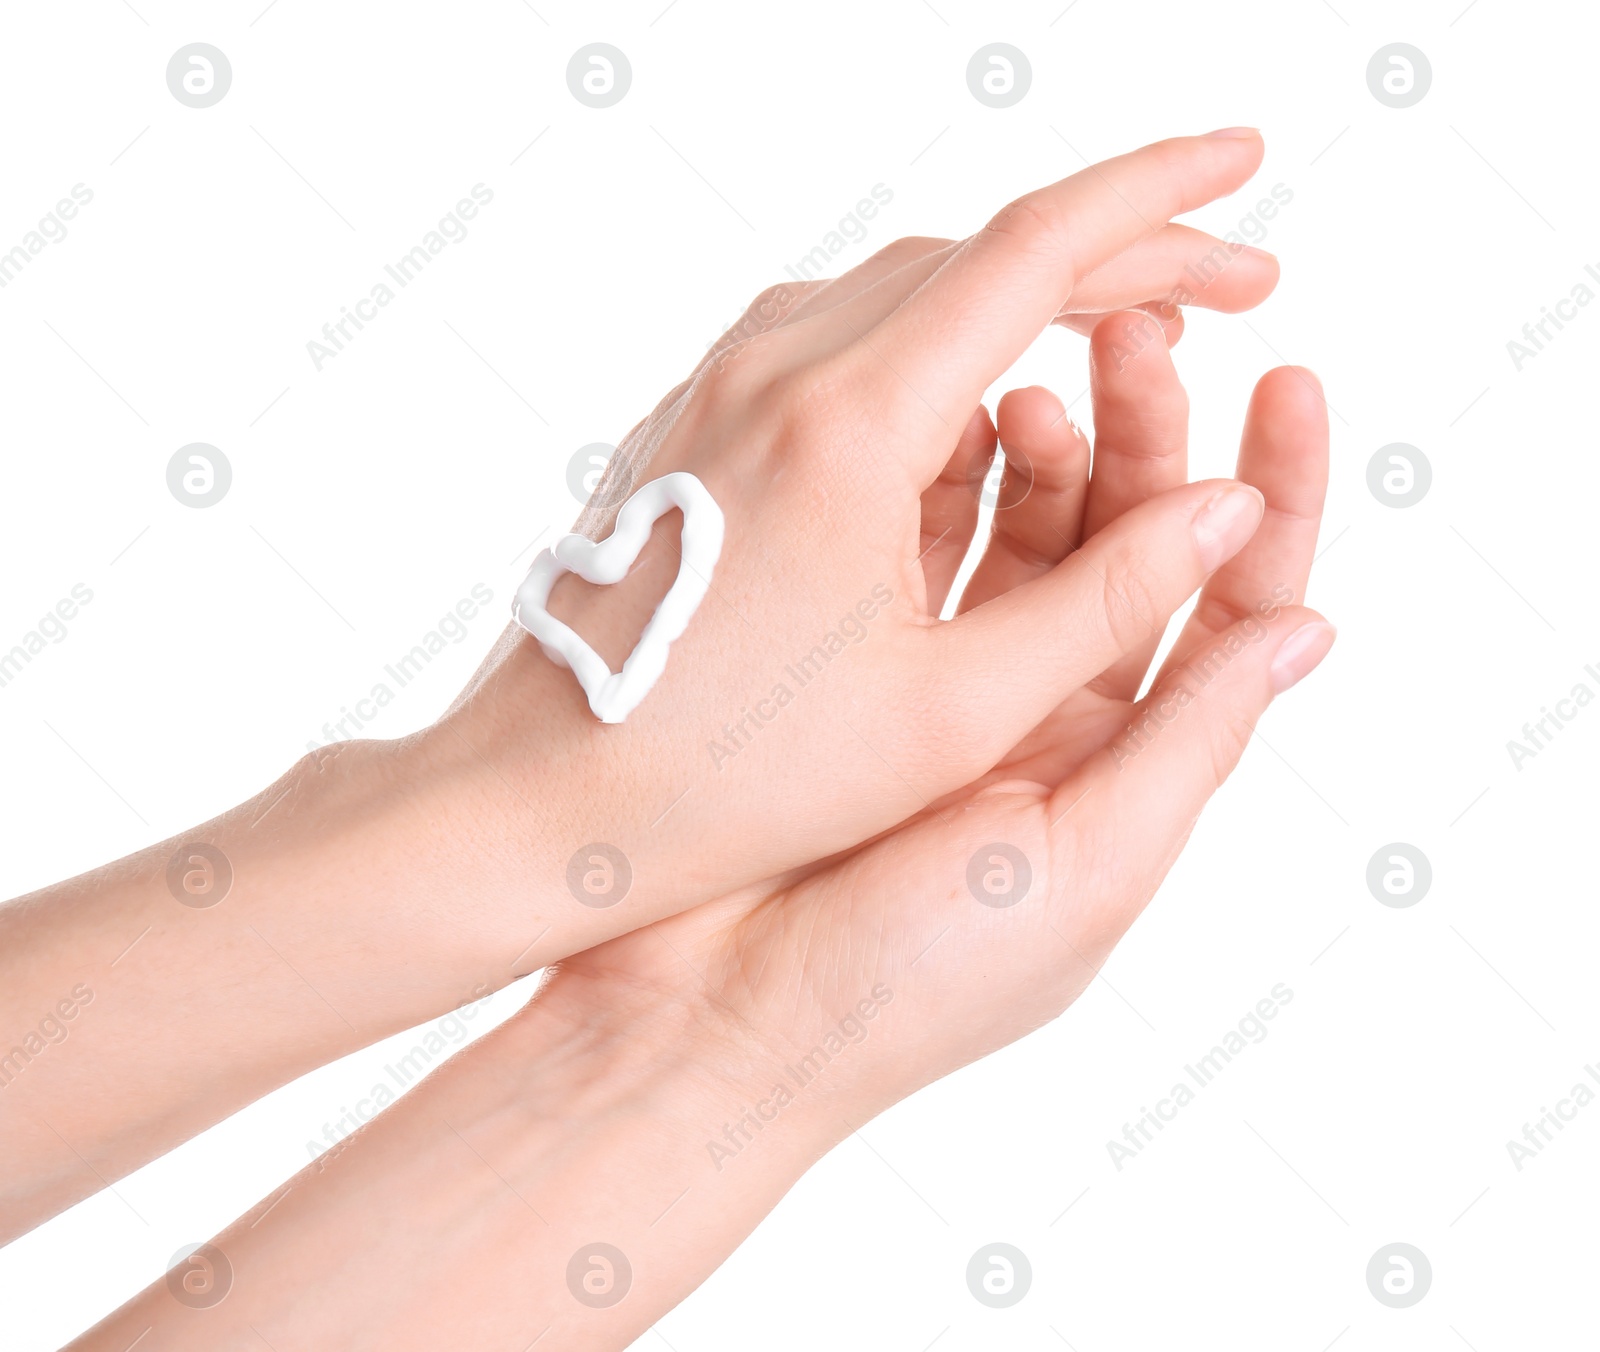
(149, 999)
(465, 1216)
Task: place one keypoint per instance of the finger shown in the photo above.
(1007, 282)
(950, 509)
(1038, 517)
(1177, 265)
(1171, 323)
(1141, 444)
(1141, 417)
(1028, 648)
(1181, 266)
(1137, 801)
(1284, 453)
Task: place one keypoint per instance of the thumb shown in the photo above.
(1031, 647)
(1146, 789)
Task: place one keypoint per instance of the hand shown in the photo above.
(862, 980)
(699, 1066)
(815, 687)
(443, 859)
(1030, 878)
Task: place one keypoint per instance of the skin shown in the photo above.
(441, 861)
(819, 424)
(664, 1089)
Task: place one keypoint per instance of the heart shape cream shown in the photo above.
(613, 695)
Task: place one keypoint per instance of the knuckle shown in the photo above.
(1217, 612)
(1132, 612)
(741, 373)
(815, 412)
(1228, 742)
(1027, 216)
(1034, 224)
(834, 380)
(765, 312)
(898, 252)
(773, 304)
(1175, 163)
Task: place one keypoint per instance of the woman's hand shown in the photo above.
(988, 914)
(577, 1172)
(816, 699)
(814, 702)
(855, 983)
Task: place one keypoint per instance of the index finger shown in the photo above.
(1005, 284)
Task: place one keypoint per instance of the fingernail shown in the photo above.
(1300, 654)
(1226, 521)
(1234, 133)
(1258, 253)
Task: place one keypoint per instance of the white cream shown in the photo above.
(615, 695)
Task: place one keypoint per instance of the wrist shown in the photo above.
(575, 1129)
(719, 1086)
(359, 867)
(213, 967)
(644, 1126)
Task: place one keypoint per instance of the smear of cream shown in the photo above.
(615, 695)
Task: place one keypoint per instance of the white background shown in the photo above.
(369, 497)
